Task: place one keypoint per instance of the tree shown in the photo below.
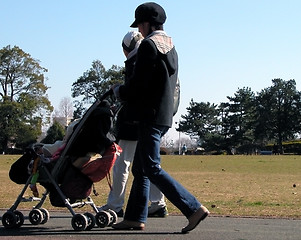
(202, 121)
(65, 108)
(23, 100)
(240, 119)
(93, 84)
(247, 121)
(279, 112)
(54, 133)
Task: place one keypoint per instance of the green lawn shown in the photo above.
(267, 186)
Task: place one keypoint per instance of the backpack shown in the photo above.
(176, 96)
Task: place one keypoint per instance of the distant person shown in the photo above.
(184, 149)
(149, 93)
(275, 149)
(127, 135)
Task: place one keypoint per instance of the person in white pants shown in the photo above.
(127, 135)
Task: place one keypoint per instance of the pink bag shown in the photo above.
(98, 168)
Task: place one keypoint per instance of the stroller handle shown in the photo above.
(106, 94)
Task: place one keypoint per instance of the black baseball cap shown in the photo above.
(149, 12)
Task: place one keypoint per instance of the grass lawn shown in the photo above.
(266, 186)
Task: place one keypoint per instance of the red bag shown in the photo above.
(99, 168)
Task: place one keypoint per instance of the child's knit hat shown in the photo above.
(130, 40)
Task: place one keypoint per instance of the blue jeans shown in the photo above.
(146, 167)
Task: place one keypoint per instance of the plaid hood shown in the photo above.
(164, 45)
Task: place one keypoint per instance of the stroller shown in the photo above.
(86, 157)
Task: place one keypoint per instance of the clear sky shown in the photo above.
(223, 45)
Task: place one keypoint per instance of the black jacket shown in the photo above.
(149, 92)
(126, 128)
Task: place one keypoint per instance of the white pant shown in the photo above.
(120, 176)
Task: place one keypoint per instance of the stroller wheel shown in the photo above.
(35, 216)
(79, 222)
(46, 215)
(9, 220)
(102, 219)
(20, 218)
(114, 217)
(91, 221)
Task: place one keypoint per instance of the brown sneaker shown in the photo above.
(128, 225)
(196, 218)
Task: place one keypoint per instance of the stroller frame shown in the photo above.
(38, 215)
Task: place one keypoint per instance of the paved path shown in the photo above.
(213, 228)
